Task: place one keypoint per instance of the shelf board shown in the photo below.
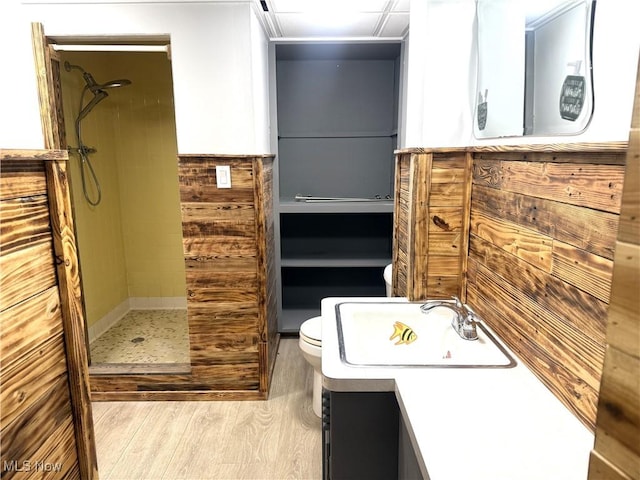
(293, 206)
(322, 261)
(292, 318)
(354, 134)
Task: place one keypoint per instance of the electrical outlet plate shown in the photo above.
(223, 176)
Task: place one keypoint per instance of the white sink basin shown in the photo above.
(369, 335)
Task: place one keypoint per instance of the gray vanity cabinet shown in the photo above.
(360, 435)
(365, 437)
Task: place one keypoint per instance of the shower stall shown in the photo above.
(124, 189)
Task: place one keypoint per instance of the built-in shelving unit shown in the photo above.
(337, 130)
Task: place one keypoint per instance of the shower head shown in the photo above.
(91, 84)
(98, 89)
(99, 95)
(121, 82)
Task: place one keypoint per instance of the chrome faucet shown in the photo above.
(464, 322)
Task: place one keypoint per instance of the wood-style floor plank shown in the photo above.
(197, 455)
(279, 438)
(152, 447)
(115, 424)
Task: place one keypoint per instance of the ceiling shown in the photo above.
(334, 19)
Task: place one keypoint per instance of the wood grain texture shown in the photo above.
(21, 177)
(546, 342)
(25, 221)
(521, 242)
(541, 254)
(400, 238)
(587, 229)
(617, 446)
(21, 389)
(26, 272)
(19, 334)
(430, 223)
(559, 150)
(594, 186)
(601, 469)
(44, 402)
(46, 94)
(71, 308)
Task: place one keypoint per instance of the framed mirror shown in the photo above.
(534, 67)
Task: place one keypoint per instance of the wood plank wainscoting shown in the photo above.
(431, 204)
(617, 447)
(46, 416)
(228, 243)
(542, 221)
(543, 228)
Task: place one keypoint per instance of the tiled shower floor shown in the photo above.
(144, 336)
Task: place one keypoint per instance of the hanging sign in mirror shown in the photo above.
(534, 56)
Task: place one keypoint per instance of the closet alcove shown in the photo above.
(337, 129)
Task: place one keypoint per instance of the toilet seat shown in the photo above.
(311, 331)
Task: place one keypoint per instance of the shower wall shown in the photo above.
(130, 246)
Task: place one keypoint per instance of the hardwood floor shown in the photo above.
(275, 439)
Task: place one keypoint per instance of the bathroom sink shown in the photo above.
(388, 334)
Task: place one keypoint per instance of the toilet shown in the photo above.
(387, 279)
(310, 343)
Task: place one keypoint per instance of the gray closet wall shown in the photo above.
(337, 129)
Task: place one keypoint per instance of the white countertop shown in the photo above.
(477, 423)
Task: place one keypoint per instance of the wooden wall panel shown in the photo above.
(594, 186)
(541, 245)
(24, 221)
(19, 334)
(402, 205)
(431, 223)
(228, 247)
(215, 235)
(617, 446)
(46, 419)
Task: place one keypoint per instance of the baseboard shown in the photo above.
(108, 321)
(134, 303)
(157, 303)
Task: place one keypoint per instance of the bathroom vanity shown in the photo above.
(443, 421)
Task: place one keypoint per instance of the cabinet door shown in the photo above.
(408, 467)
(363, 435)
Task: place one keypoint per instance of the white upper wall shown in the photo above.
(218, 64)
(220, 73)
(441, 73)
(441, 85)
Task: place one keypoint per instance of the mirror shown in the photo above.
(534, 67)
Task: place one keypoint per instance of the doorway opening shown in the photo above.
(125, 198)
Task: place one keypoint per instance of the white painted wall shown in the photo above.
(220, 78)
(442, 69)
(501, 47)
(440, 72)
(218, 66)
(260, 79)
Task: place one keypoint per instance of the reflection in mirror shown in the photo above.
(534, 67)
